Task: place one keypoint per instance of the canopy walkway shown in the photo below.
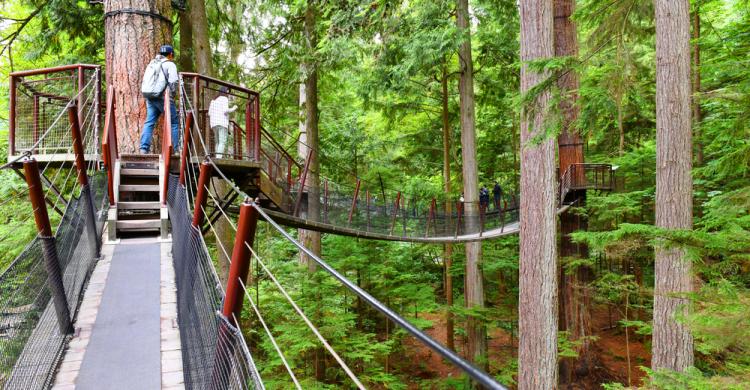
(86, 305)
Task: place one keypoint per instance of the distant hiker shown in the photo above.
(160, 73)
(219, 111)
(497, 195)
(484, 198)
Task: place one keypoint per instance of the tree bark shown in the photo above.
(201, 43)
(697, 115)
(537, 355)
(186, 62)
(132, 41)
(474, 284)
(574, 314)
(672, 342)
(448, 248)
(309, 139)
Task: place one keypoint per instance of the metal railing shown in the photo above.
(37, 97)
(586, 176)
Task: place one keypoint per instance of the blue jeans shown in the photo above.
(154, 109)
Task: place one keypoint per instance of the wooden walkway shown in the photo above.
(126, 330)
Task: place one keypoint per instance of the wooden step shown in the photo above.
(138, 205)
(139, 172)
(139, 188)
(139, 225)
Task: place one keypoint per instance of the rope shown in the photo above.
(307, 321)
(268, 332)
(133, 11)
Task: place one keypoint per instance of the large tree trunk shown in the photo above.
(309, 142)
(697, 116)
(537, 352)
(185, 63)
(448, 248)
(476, 333)
(672, 342)
(201, 43)
(574, 313)
(132, 41)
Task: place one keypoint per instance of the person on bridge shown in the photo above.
(219, 111)
(497, 195)
(484, 198)
(160, 74)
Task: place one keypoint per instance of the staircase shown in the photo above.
(138, 183)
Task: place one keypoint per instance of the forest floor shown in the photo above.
(610, 349)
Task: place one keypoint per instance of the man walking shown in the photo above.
(160, 74)
(497, 193)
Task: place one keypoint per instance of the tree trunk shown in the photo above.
(132, 41)
(201, 43)
(448, 248)
(474, 286)
(185, 63)
(672, 342)
(309, 141)
(697, 116)
(537, 352)
(574, 315)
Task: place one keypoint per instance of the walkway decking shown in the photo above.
(126, 335)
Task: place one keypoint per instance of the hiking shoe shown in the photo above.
(144, 151)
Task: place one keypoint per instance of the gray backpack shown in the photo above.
(153, 85)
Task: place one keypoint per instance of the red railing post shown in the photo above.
(430, 216)
(184, 155)
(81, 95)
(49, 248)
(397, 205)
(249, 134)
(354, 201)
(166, 150)
(256, 124)
(325, 201)
(12, 116)
(35, 134)
(83, 180)
(302, 183)
(201, 194)
(233, 299)
(367, 206)
(109, 140)
(240, 265)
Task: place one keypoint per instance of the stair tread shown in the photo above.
(139, 171)
(139, 187)
(135, 205)
(139, 224)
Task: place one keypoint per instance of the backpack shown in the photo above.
(153, 85)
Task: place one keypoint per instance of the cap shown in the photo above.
(223, 89)
(166, 50)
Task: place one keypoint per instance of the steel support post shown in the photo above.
(201, 196)
(86, 195)
(234, 298)
(184, 155)
(49, 249)
(354, 201)
(240, 265)
(12, 116)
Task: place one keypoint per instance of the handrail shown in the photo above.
(575, 178)
(109, 143)
(166, 144)
(34, 72)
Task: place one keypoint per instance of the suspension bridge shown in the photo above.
(95, 302)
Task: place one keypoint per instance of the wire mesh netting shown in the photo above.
(31, 342)
(39, 122)
(214, 352)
